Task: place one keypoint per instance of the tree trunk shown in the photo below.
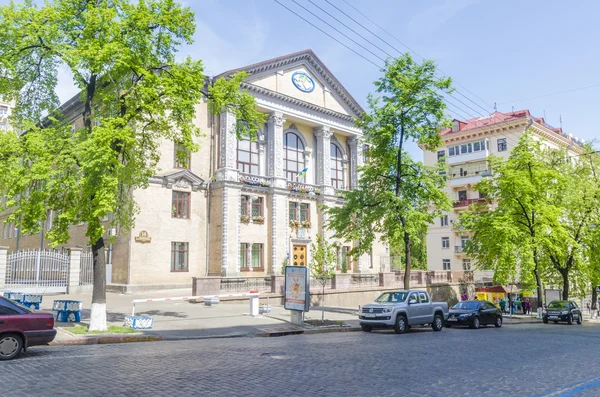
(407, 258)
(323, 304)
(98, 312)
(594, 297)
(565, 276)
(540, 289)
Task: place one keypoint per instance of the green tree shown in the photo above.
(322, 265)
(121, 54)
(395, 192)
(510, 236)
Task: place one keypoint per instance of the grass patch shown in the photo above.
(325, 323)
(113, 329)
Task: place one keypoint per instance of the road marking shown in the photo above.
(575, 388)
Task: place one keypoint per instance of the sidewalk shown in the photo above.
(183, 320)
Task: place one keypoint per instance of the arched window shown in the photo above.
(293, 156)
(337, 167)
(247, 157)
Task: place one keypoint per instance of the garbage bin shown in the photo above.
(254, 303)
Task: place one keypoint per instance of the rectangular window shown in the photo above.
(464, 148)
(462, 195)
(257, 257)
(179, 256)
(451, 151)
(5, 231)
(244, 205)
(466, 263)
(445, 242)
(182, 156)
(441, 154)
(292, 210)
(257, 207)
(446, 264)
(244, 256)
(181, 205)
(3, 110)
(10, 230)
(476, 146)
(444, 220)
(463, 241)
(338, 257)
(304, 212)
(482, 195)
(502, 145)
(346, 257)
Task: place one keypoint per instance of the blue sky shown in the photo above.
(502, 51)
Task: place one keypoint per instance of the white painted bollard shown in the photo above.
(254, 303)
(539, 312)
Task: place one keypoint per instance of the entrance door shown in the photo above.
(299, 257)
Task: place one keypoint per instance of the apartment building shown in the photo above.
(241, 208)
(466, 149)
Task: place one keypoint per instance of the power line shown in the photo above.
(321, 30)
(551, 94)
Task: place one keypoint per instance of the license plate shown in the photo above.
(553, 317)
(369, 315)
(452, 319)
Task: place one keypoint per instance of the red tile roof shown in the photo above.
(494, 118)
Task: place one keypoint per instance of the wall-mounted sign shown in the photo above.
(297, 294)
(303, 82)
(143, 237)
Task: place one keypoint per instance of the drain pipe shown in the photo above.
(208, 188)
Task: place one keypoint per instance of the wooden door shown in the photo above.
(299, 257)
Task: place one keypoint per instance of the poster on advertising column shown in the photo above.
(296, 288)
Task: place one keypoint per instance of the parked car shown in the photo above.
(562, 311)
(402, 309)
(474, 314)
(21, 328)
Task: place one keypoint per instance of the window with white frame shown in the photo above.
(502, 147)
(466, 148)
(293, 156)
(441, 154)
(247, 156)
(444, 220)
(445, 242)
(446, 264)
(3, 110)
(251, 256)
(337, 167)
(466, 264)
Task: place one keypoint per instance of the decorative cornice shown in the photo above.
(182, 179)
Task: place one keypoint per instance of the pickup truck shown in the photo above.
(402, 309)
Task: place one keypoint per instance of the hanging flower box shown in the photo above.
(294, 224)
(306, 224)
(258, 219)
(245, 218)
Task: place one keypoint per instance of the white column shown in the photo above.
(310, 176)
(230, 247)
(275, 139)
(262, 160)
(323, 135)
(74, 270)
(356, 160)
(345, 172)
(3, 266)
(227, 148)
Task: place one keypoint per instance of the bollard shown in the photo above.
(254, 298)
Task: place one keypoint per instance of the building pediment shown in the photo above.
(180, 180)
(303, 77)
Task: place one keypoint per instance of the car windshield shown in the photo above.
(399, 296)
(466, 306)
(558, 305)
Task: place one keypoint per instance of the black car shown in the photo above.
(562, 311)
(474, 314)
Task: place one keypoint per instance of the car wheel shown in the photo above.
(438, 323)
(579, 319)
(570, 319)
(545, 320)
(401, 326)
(10, 346)
(366, 328)
(498, 322)
(476, 323)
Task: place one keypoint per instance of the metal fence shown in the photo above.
(86, 273)
(37, 271)
(246, 284)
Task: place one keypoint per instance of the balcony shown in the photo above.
(467, 157)
(458, 249)
(464, 204)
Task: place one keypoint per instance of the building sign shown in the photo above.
(296, 288)
(143, 237)
(303, 82)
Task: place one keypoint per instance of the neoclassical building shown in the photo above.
(242, 208)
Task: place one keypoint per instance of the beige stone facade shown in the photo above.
(240, 209)
(466, 149)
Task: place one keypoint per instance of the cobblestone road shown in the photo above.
(525, 360)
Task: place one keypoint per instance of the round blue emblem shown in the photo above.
(303, 82)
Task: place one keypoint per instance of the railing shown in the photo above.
(466, 203)
(364, 280)
(86, 272)
(246, 284)
(439, 277)
(303, 188)
(34, 268)
(254, 180)
(458, 249)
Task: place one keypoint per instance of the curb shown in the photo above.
(104, 340)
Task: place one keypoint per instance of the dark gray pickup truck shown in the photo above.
(402, 309)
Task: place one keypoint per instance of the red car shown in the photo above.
(21, 328)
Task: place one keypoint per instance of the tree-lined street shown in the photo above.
(523, 360)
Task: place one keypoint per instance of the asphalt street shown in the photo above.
(525, 360)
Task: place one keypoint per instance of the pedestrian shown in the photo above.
(589, 308)
(518, 304)
(523, 306)
(503, 305)
(527, 306)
